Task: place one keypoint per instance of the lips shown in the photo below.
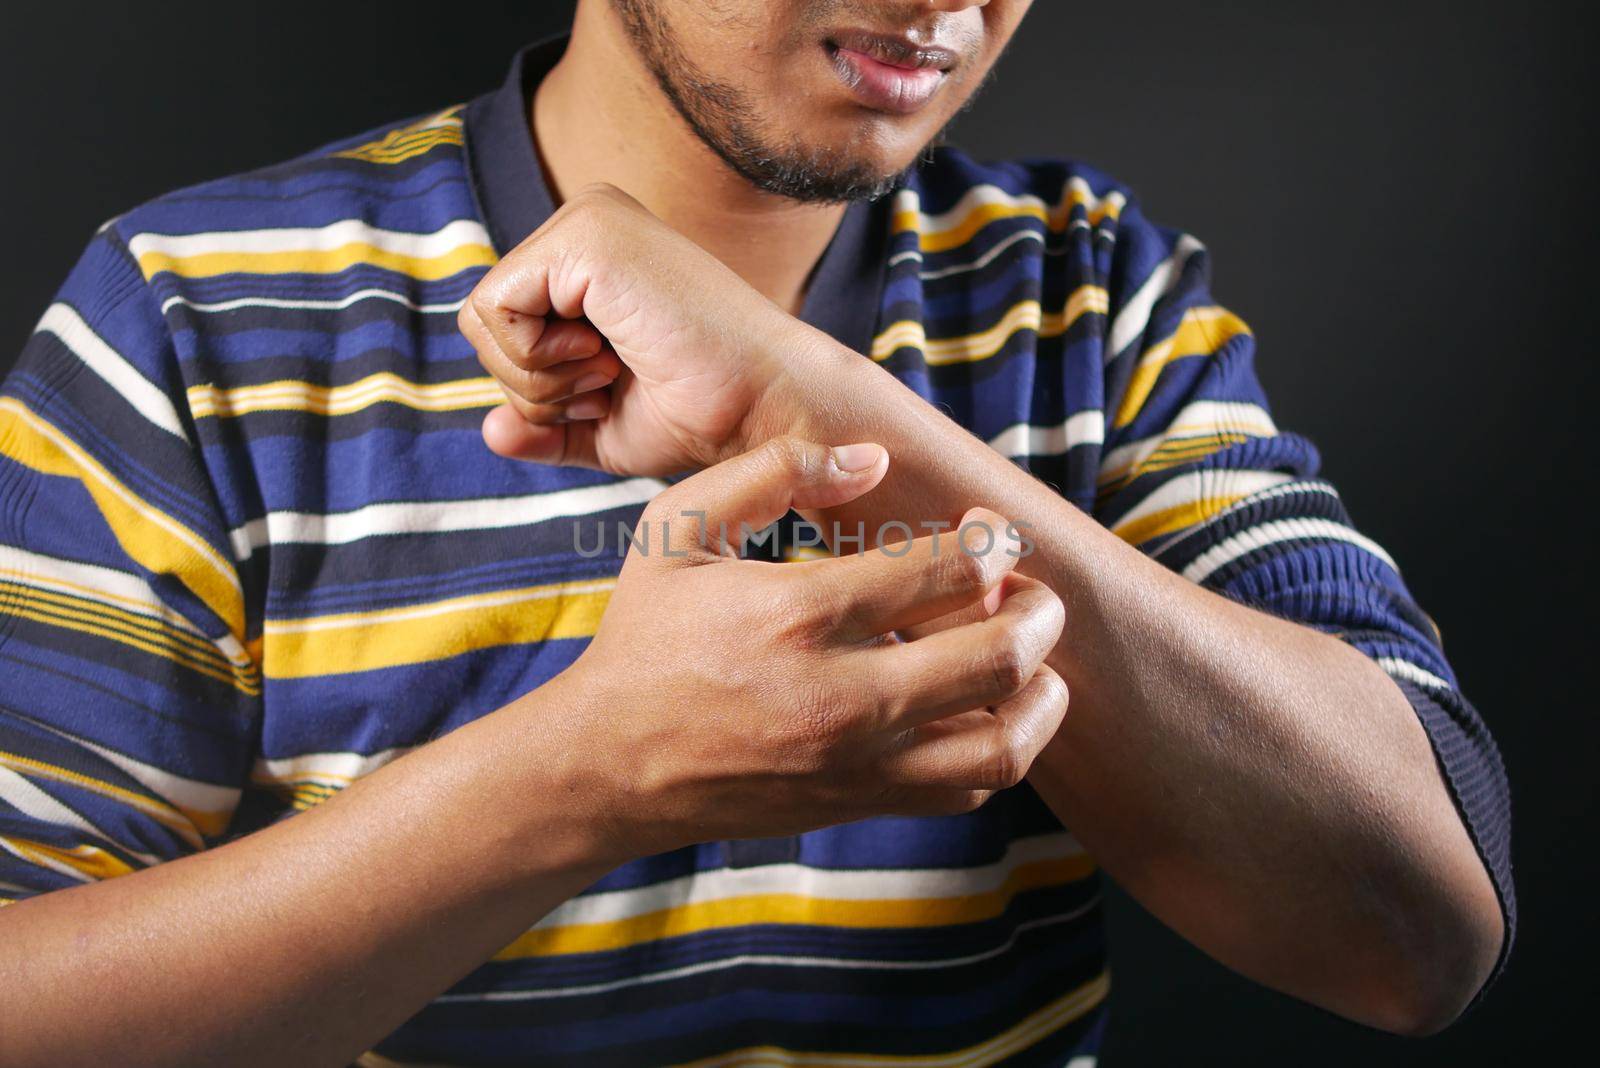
(889, 73)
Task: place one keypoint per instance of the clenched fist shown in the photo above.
(624, 346)
(753, 699)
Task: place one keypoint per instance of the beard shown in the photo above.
(729, 123)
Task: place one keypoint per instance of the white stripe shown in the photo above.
(1205, 417)
(1020, 440)
(978, 196)
(434, 517)
(322, 238)
(329, 769)
(780, 961)
(1285, 490)
(448, 307)
(615, 906)
(987, 193)
(1135, 314)
(1405, 669)
(107, 586)
(1201, 485)
(984, 260)
(64, 322)
(186, 795)
(1281, 530)
(34, 803)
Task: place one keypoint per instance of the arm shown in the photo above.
(1262, 785)
(1263, 788)
(308, 941)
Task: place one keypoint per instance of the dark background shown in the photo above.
(1397, 199)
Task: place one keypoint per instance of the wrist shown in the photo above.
(800, 396)
(546, 777)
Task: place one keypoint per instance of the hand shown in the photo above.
(735, 698)
(621, 344)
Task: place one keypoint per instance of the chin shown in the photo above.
(871, 144)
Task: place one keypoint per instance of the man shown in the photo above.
(273, 544)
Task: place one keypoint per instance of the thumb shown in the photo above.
(508, 434)
(750, 491)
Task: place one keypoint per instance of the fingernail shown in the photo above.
(853, 458)
(588, 382)
(586, 408)
(992, 599)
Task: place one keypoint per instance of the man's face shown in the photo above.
(819, 100)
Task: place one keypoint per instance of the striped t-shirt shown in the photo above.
(252, 546)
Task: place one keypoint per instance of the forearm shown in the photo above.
(1262, 787)
(310, 940)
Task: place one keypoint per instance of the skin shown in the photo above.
(1326, 860)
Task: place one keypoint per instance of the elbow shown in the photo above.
(1425, 988)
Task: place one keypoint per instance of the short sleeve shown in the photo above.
(1196, 473)
(129, 696)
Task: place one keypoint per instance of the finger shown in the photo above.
(551, 382)
(559, 340)
(976, 665)
(969, 613)
(988, 750)
(710, 512)
(899, 586)
(507, 433)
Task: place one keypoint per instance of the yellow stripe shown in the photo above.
(1201, 333)
(398, 154)
(153, 539)
(701, 916)
(1023, 315)
(155, 628)
(962, 231)
(363, 641)
(162, 643)
(1169, 454)
(1175, 518)
(1053, 1017)
(390, 148)
(92, 861)
(289, 394)
(397, 149)
(183, 821)
(320, 261)
(139, 607)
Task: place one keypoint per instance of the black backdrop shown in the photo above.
(1395, 197)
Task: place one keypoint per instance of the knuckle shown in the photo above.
(1005, 764)
(789, 454)
(963, 570)
(541, 387)
(1008, 664)
(1057, 695)
(796, 611)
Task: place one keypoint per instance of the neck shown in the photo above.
(599, 116)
